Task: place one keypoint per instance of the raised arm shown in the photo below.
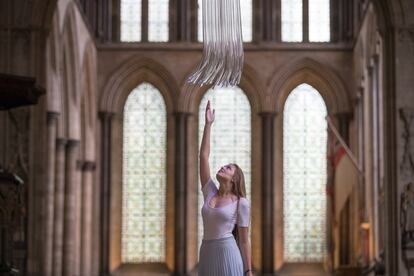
(205, 145)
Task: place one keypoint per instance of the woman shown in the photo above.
(223, 208)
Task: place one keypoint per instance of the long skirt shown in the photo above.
(220, 257)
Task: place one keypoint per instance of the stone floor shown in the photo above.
(303, 269)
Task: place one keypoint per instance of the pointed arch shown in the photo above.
(119, 86)
(70, 68)
(304, 169)
(126, 77)
(88, 102)
(53, 65)
(329, 85)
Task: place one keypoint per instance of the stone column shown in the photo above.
(106, 148)
(70, 224)
(270, 25)
(181, 20)
(305, 20)
(88, 168)
(267, 193)
(59, 198)
(180, 252)
(49, 193)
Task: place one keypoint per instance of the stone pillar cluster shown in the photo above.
(67, 229)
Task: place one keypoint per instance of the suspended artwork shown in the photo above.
(222, 59)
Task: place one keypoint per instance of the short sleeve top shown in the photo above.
(219, 222)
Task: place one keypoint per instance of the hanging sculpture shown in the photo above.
(222, 59)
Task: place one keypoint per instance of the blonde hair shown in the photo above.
(239, 186)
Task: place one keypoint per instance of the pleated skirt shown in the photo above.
(220, 257)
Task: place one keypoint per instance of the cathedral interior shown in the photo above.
(100, 133)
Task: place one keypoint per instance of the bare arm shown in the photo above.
(245, 249)
(205, 146)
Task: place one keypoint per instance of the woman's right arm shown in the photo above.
(205, 145)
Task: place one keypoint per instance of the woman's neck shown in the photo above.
(225, 189)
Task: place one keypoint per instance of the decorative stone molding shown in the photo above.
(12, 213)
(323, 79)
(407, 225)
(407, 195)
(52, 118)
(89, 166)
(86, 166)
(130, 74)
(19, 142)
(407, 161)
(406, 34)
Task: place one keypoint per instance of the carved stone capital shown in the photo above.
(406, 34)
(105, 115)
(268, 114)
(86, 166)
(52, 117)
(61, 143)
(72, 143)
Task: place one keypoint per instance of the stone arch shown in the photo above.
(120, 84)
(88, 102)
(336, 99)
(129, 75)
(396, 10)
(70, 101)
(53, 67)
(309, 71)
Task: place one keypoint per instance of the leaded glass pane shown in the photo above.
(144, 176)
(292, 20)
(130, 20)
(230, 136)
(246, 16)
(304, 175)
(158, 20)
(319, 22)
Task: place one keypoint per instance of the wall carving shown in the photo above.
(407, 194)
(407, 160)
(406, 34)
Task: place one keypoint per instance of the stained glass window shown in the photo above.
(292, 20)
(230, 136)
(304, 175)
(144, 176)
(130, 20)
(319, 22)
(158, 20)
(246, 11)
